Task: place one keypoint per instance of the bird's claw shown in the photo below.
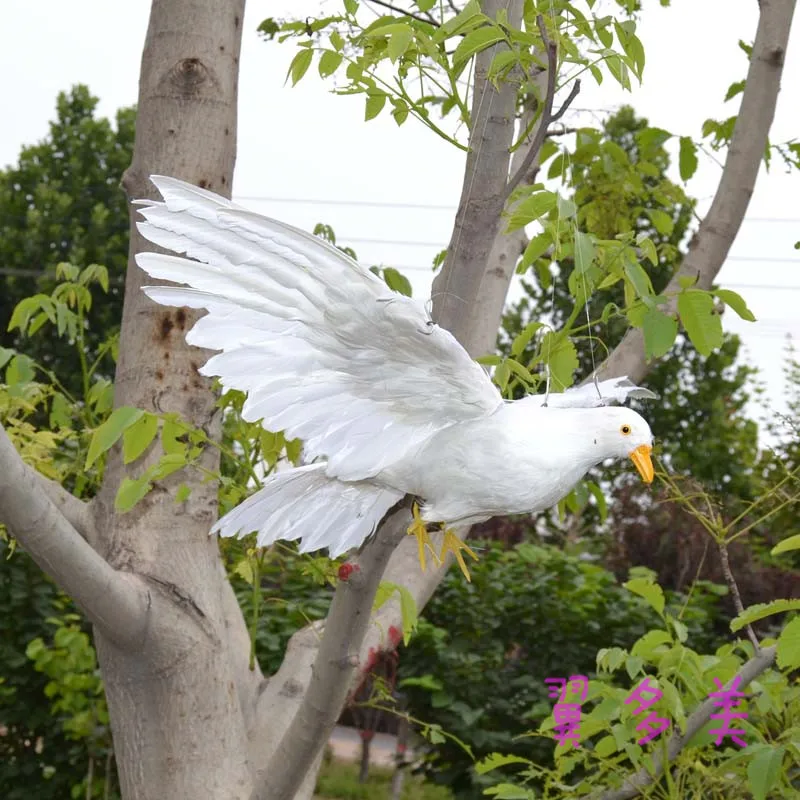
(419, 529)
(452, 544)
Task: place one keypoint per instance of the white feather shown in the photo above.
(390, 401)
(305, 504)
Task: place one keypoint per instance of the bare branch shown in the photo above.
(426, 20)
(117, 603)
(710, 245)
(335, 664)
(645, 777)
(733, 586)
(546, 117)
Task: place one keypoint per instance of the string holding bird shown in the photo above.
(387, 403)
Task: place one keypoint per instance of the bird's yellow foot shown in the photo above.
(419, 529)
(452, 544)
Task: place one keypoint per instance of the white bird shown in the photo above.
(386, 402)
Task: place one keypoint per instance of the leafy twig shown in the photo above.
(632, 787)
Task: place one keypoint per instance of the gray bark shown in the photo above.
(179, 728)
(457, 303)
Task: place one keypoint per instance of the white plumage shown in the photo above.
(387, 402)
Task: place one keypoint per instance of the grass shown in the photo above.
(338, 780)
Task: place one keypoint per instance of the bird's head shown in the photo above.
(627, 434)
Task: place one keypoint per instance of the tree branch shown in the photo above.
(248, 681)
(734, 587)
(335, 665)
(77, 512)
(426, 20)
(115, 602)
(710, 245)
(633, 786)
(547, 117)
(456, 289)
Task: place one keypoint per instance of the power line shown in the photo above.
(422, 206)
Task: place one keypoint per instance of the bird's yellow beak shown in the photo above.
(641, 458)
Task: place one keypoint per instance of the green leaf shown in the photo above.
(660, 331)
(763, 771)
(20, 370)
(130, 492)
(509, 791)
(496, 760)
(475, 41)
(106, 436)
(351, 6)
(375, 104)
(687, 159)
(662, 221)
(60, 412)
(427, 682)
(5, 356)
(397, 281)
(736, 302)
(600, 499)
(734, 89)
(789, 645)
(300, 64)
(294, 449)
(556, 167)
(244, 569)
(792, 543)
(639, 278)
(562, 357)
(136, 439)
(584, 251)
(650, 591)
(760, 610)
(536, 248)
(501, 375)
(647, 644)
(399, 42)
(522, 340)
(329, 63)
(531, 208)
(183, 493)
(408, 605)
(336, 40)
(167, 464)
(696, 309)
(649, 250)
(606, 747)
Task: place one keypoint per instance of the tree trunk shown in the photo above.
(179, 730)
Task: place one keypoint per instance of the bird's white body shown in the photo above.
(386, 402)
(523, 458)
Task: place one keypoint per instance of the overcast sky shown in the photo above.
(307, 156)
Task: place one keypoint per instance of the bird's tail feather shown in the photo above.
(305, 504)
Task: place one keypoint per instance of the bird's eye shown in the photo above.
(626, 429)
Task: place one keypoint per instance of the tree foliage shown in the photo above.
(62, 203)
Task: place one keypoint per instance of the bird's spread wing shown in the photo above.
(592, 395)
(324, 349)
